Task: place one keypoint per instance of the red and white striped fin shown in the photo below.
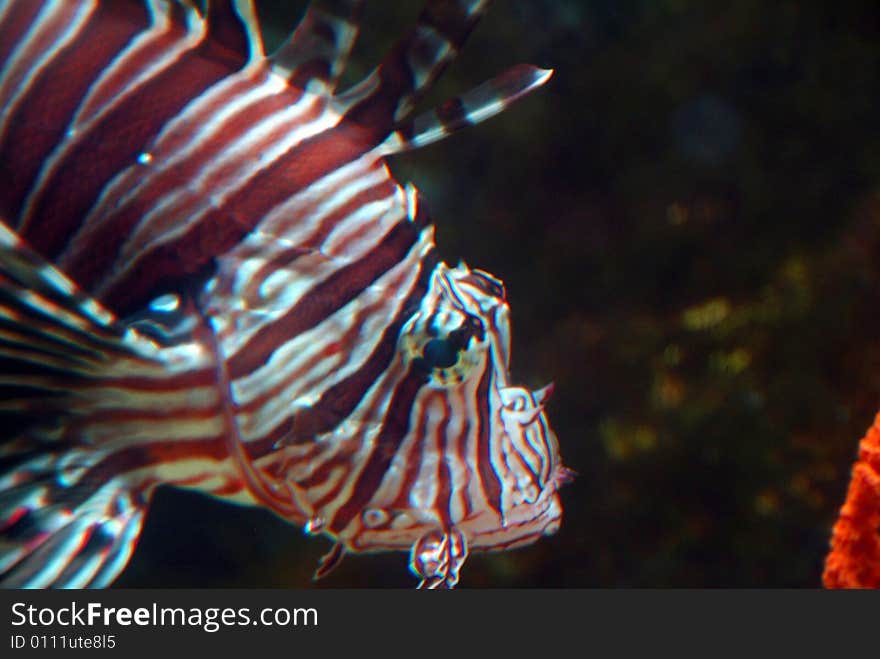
(412, 66)
(52, 302)
(175, 94)
(57, 531)
(315, 54)
(62, 523)
(479, 104)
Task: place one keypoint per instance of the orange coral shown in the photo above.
(854, 560)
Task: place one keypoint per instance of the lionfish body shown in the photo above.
(209, 279)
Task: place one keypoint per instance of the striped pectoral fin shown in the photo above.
(60, 532)
(66, 518)
(436, 558)
(40, 307)
(481, 103)
(49, 321)
(317, 51)
(51, 341)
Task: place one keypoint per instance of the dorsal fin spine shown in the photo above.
(317, 51)
(478, 105)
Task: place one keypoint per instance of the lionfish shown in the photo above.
(209, 279)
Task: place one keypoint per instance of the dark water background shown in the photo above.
(687, 219)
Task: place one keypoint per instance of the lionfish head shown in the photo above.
(493, 438)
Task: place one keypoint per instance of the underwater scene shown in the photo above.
(682, 226)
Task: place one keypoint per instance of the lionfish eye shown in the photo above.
(446, 357)
(440, 353)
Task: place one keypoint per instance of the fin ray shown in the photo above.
(317, 51)
(59, 538)
(412, 66)
(479, 104)
(62, 523)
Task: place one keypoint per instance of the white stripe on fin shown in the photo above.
(322, 41)
(478, 105)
